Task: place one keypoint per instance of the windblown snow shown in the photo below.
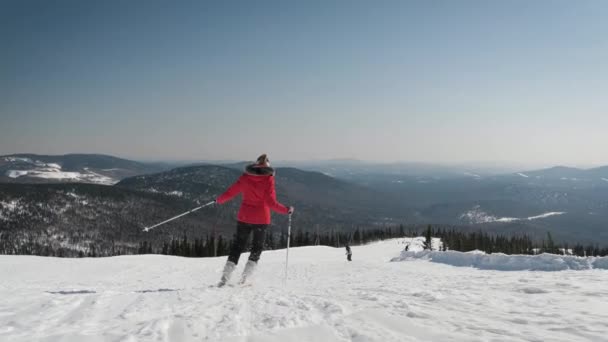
(54, 171)
(477, 215)
(326, 298)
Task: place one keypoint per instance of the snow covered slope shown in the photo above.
(159, 298)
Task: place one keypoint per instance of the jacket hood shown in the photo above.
(259, 170)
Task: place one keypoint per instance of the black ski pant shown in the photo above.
(239, 242)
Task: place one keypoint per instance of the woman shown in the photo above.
(259, 197)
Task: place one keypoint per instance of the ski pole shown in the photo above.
(147, 229)
(287, 255)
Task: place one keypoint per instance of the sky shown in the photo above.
(429, 81)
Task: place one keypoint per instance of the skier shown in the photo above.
(259, 197)
(349, 254)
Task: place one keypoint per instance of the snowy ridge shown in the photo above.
(326, 298)
(523, 175)
(54, 171)
(503, 262)
(477, 215)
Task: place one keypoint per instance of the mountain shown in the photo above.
(81, 168)
(505, 202)
(562, 173)
(557, 172)
(356, 170)
(318, 198)
(76, 216)
(70, 216)
(531, 202)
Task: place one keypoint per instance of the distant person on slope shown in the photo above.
(349, 253)
(259, 197)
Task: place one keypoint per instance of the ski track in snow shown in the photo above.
(160, 298)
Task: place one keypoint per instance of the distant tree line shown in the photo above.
(515, 244)
(219, 245)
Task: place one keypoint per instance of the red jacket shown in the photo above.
(259, 195)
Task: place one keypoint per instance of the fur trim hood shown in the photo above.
(259, 170)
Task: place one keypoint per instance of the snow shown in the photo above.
(170, 193)
(477, 215)
(472, 175)
(16, 173)
(545, 215)
(416, 244)
(9, 207)
(78, 199)
(523, 175)
(54, 174)
(161, 298)
(15, 159)
(503, 262)
(605, 179)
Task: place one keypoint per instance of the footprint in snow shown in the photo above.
(533, 290)
(72, 292)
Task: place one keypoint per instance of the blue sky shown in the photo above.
(438, 81)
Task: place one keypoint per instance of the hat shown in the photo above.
(263, 159)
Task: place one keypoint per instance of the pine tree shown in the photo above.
(550, 244)
(428, 243)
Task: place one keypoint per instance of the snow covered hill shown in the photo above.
(326, 298)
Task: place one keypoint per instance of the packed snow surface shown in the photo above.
(326, 298)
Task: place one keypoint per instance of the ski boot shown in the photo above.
(228, 269)
(248, 271)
